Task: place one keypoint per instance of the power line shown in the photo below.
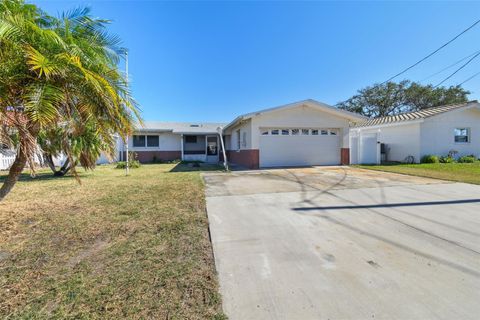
(469, 78)
(463, 66)
(431, 54)
(452, 65)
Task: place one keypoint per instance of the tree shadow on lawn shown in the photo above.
(39, 176)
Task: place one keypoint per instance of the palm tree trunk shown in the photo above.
(64, 169)
(13, 174)
(49, 160)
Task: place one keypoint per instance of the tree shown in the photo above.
(84, 141)
(393, 98)
(54, 73)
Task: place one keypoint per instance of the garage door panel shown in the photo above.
(276, 151)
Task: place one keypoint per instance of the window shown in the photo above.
(244, 139)
(333, 132)
(264, 132)
(190, 139)
(238, 139)
(462, 135)
(314, 132)
(285, 132)
(305, 132)
(295, 132)
(152, 141)
(138, 141)
(275, 132)
(323, 132)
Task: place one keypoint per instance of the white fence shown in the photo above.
(6, 160)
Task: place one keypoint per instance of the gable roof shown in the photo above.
(180, 127)
(415, 115)
(309, 102)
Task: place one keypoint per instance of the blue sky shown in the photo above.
(211, 61)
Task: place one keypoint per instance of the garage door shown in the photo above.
(299, 147)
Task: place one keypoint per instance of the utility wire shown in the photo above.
(452, 65)
(431, 54)
(469, 78)
(463, 66)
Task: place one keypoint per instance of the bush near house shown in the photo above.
(467, 159)
(131, 164)
(429, 159)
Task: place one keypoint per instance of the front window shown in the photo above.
(191, 139)
(462, 135)
(295, 132)
(324, 132)
(138, 141)
(265, 133)
(152, 141)
(285, 132)
(275, 132)
(314, 132)
(238, 139)
(305, 132)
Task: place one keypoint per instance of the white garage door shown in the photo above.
(297, 147)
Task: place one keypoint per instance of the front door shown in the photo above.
(212, 149)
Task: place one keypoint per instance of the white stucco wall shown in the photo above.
(303, 117)
(437, 133)
(245, 128)
(167, 142)
(402, 140)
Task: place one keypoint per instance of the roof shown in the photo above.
(309, 102)
(415, 115)
(181, 127)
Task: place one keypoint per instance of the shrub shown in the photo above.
(446, 159)
(131, 164)
(429, 158)
(467, 159)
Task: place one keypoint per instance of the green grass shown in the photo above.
(113, 247)
(462, 172)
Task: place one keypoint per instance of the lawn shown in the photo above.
(113, 247)
(462, 172)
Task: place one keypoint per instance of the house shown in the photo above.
(435, 131)
(163, 141)
(297, 134)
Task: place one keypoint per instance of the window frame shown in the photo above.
(187, 137)
(154, 136)
(139, 136)
(467, 136)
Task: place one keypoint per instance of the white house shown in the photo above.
(434, 131)
(163, 141)
(298, 134)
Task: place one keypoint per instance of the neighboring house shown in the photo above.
(434, 131)
(163, 141)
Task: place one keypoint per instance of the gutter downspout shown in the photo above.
(225, 162)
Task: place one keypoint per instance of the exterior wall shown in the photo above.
(300, 117)
(169, 148)
(150, 156)
(437, 133)
(198, 146)
(167, 142)
(402, 140)
(245, 158)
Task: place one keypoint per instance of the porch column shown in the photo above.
(206, 147)
(181, 145)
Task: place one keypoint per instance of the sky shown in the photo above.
(212, 61)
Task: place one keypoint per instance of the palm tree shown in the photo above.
(58, 73)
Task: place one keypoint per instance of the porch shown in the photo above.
(200, 147)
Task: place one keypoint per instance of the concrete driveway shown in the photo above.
(344, 243)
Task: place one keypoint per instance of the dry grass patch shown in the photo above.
(113, 247)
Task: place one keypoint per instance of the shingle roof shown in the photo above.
(411, 116)
(180, 127)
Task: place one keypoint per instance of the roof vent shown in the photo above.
(194, 125)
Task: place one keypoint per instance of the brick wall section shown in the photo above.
(246, 158)
(147, 156)
(345, 156)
